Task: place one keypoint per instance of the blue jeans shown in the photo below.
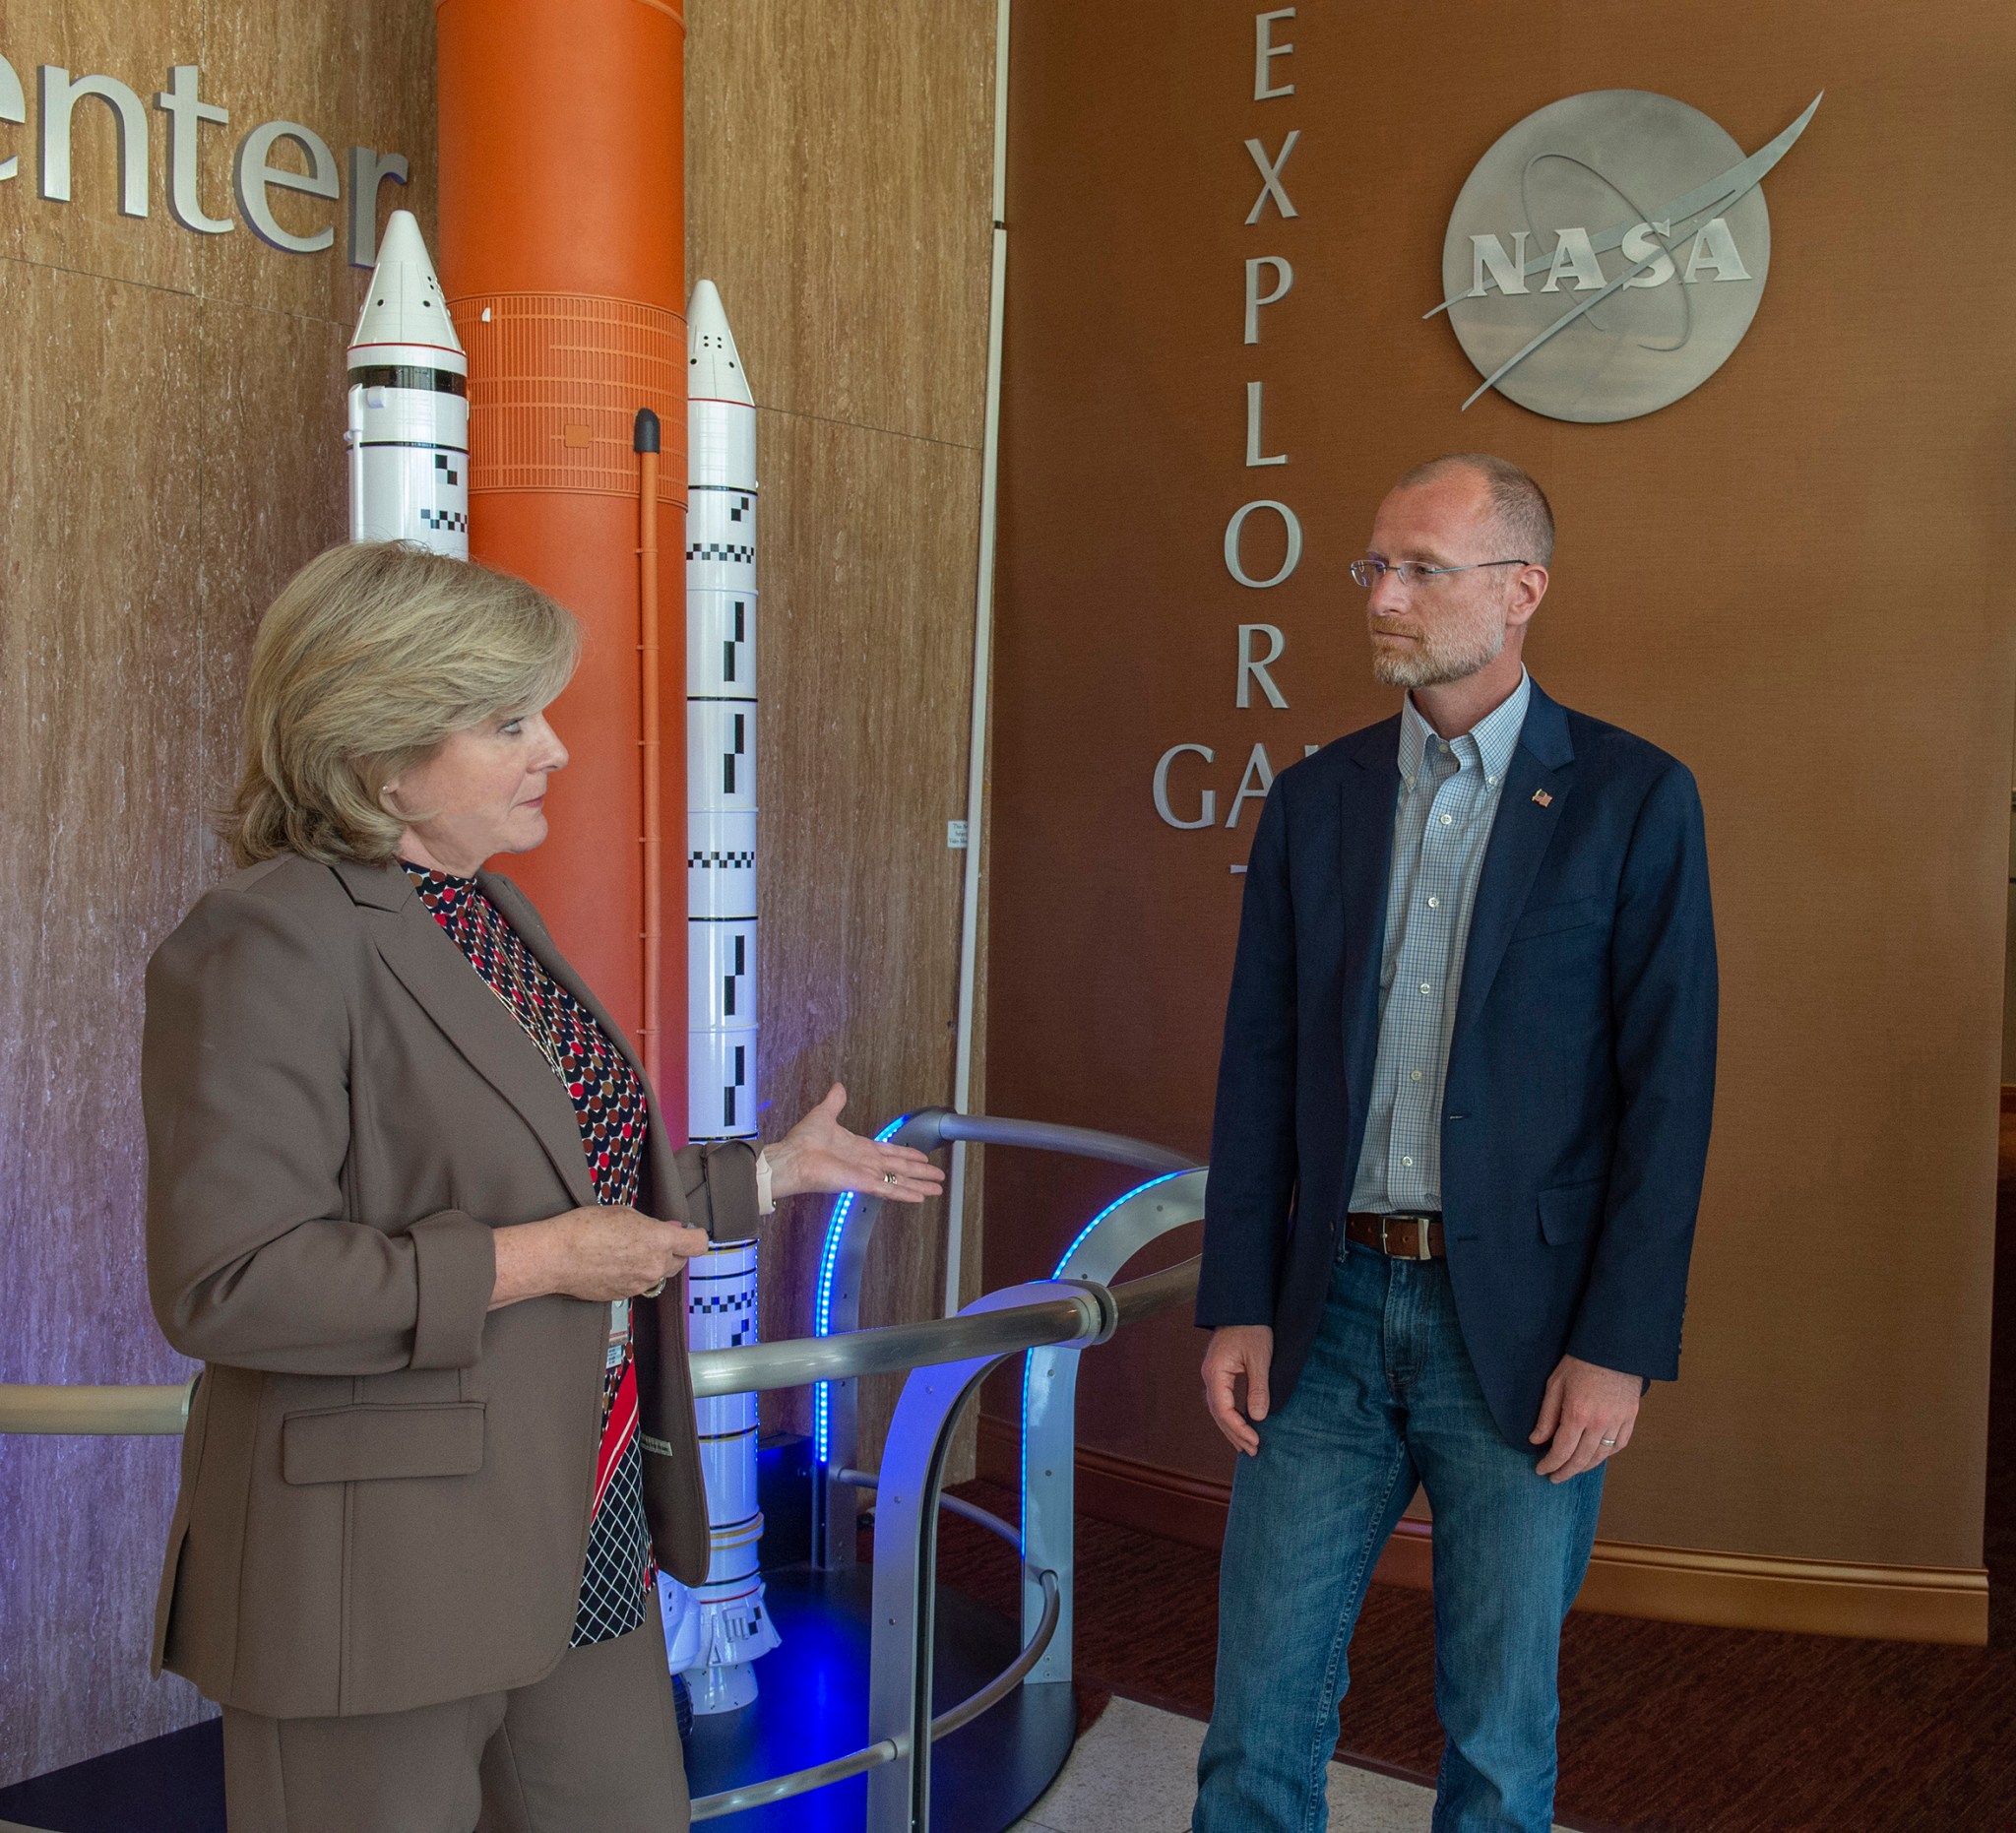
(1388, 1399)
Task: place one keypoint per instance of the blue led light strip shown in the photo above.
(1085, 1233)
(822, 1301)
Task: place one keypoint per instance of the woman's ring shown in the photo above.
(889, 1178)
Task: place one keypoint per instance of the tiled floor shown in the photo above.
(1134, 1772)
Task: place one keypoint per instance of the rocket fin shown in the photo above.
(406, 303)
(714, 366)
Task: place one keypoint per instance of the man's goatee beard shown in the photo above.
(1424, 667)
(1409, 671)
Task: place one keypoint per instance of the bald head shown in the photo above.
(1518, 505)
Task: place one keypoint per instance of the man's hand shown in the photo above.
(1587, 1412)
(1237, 1350)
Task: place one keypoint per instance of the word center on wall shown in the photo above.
(281, 157)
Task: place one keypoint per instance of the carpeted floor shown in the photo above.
(1664, 1728)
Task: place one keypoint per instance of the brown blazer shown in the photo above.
(385, 1486)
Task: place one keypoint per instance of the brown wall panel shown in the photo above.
(837, 175)
(88, 234)
(345, 72)
(866, 570)
(170, 450)
(1732, 581)
(838, 169)
(97, 861)
(270, 498)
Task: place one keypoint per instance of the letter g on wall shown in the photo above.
(1208, 803)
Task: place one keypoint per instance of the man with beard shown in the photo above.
(1463, 1113)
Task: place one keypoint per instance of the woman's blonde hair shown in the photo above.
(370, 657)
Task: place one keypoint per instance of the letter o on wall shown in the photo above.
(1208, 817)
(1236, 525)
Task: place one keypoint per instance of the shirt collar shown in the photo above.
(443, 893)
(1495, 736)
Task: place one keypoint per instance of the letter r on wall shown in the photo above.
(1254, 667)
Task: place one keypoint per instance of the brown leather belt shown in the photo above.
(1415, 1236)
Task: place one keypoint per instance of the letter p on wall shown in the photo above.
(1284, 278)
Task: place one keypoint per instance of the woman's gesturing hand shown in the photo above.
(819, 1154)
(604, 1253)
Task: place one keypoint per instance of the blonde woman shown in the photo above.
(406, 1189)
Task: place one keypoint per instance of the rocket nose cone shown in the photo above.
(406, 303)
(714, 366)
(402, 241)
(705, 309)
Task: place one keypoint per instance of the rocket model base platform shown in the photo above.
(814, 1705)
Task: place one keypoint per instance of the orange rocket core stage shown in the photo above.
(562, 246)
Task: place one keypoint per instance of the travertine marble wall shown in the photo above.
(838, 171)
(170, 428)
(170, 416)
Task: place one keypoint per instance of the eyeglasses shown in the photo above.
(1411, 573)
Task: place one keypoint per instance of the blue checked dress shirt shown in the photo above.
(1448, 799)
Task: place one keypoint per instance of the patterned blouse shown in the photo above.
(610, 1108)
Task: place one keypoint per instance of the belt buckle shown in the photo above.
(1420, 1224)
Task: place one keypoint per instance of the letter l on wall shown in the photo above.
(1253, 406)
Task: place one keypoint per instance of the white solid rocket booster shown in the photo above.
(726, 1626)
(409, 405)
(715, 1632)
(721, 727)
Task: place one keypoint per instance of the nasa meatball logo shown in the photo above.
(1608, 254)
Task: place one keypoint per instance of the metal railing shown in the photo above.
(842, 1266)
(1052, 1321)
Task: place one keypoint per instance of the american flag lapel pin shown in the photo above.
(1543, 798)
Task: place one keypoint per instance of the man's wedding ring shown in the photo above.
(1606, 1441)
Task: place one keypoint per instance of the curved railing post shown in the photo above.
(844, 1260)
(1049, 1401)
(906, 1557)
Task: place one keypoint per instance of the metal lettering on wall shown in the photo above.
(254, 176)
(1608, 254)
(1178, 785)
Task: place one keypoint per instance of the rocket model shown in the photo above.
(721, 727)
(716, 1630)
(409, 405)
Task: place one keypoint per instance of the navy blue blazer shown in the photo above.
(1580, 1070)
